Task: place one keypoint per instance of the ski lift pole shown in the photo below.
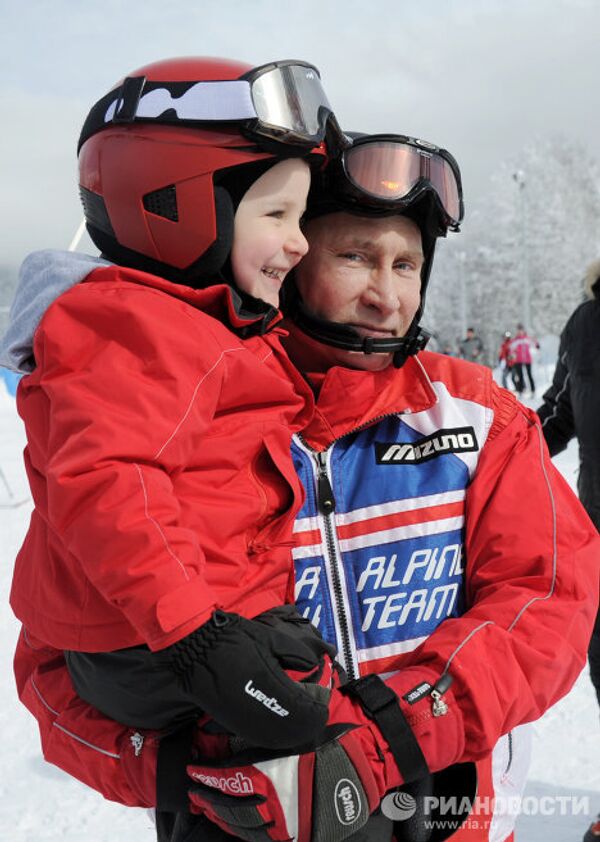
(463, 293)
(77, 236)
(10, 502)
(6, 485)
(519, 178)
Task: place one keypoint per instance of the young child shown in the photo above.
(159, 404)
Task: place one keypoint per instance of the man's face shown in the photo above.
(365, 273)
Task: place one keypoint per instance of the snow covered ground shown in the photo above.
(39, 803)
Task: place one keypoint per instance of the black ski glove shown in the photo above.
(235, 669)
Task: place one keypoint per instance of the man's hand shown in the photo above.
(318, 794)
(241, 673)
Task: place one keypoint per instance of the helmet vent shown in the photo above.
(95, 211)
(163, 203)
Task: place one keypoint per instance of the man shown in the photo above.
(471, 347)
(571, 409)
(412, 555)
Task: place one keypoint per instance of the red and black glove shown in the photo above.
(215, 743)
(318, 794)
(245, 674)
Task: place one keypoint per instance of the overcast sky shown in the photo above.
(481, 77)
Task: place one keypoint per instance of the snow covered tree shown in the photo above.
(539, 228)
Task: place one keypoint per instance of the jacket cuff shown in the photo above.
(441, 737)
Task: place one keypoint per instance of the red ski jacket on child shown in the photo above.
(158, 457)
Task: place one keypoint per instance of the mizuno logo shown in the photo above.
(458, 440)
(268, 701)
(237, 784)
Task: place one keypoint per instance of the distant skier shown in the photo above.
(520, 349)
(505, 358)
(471, 347)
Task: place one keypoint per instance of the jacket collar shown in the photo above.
(350, 399)
(244, 315)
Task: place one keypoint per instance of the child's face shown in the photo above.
(267, 240)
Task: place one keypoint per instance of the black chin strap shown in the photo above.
(348, 339)
(415, 340)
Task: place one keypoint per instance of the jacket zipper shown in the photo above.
(439, 706)
(326, 504)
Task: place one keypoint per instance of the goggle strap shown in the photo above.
(219, 101)
(136, 98)
(129, 96)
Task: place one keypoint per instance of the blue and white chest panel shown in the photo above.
(379, 572)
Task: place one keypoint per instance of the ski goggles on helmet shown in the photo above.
(282, 101)
(390, 172)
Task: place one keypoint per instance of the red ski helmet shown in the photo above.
(152, 152)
